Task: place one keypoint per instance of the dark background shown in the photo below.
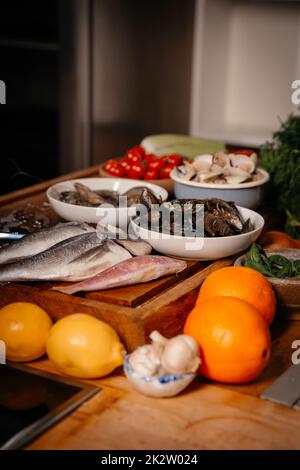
(140, 54)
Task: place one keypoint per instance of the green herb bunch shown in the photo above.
(273, 265)
(281, 158)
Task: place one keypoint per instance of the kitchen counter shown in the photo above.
(205, 416)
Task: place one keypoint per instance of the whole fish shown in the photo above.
(132, 271)
(71, 260)
(41, 240)
(136, 247)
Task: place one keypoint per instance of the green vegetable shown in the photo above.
(281, 158)
(162, 144)
(272, 266)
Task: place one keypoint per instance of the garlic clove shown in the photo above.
(146, 361)
(156, 337)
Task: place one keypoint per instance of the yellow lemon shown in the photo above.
(24, 328)
(83, 346)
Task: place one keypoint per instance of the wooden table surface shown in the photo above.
(206, 416)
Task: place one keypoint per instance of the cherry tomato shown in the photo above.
(156, 165)
(149, 158)
(116, 170)
(174, 159)
(140, 149)
(247, 153)
(126, 166)
(137, 171)
(136, 154)
(109, 164)
(165, 172)
(151, 175)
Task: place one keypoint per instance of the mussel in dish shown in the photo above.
(84, 196)
(195, 217)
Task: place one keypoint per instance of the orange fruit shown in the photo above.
(234, 339)
(243, 283)
(24, 328)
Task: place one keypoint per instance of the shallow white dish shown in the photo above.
(159, 387)
(202, 248)
(110, 215)
(247, 195)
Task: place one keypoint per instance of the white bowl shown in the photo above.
(202, 248)
(158, 387)
(244, 194)
(110, 215)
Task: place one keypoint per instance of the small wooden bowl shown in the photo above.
(166, 183)
(287, 290)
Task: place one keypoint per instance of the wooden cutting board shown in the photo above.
(133, 311)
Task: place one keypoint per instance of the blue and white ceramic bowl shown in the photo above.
(247, 195)
(159, 387)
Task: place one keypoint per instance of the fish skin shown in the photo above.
(132, 271)
(136, 247)
(41, 240)
(71, 260)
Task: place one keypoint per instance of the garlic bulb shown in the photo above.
(181, 355)
(165, 367)
(145, 360)
(178, 355)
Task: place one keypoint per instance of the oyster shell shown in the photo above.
(208, 176)
(186, 171)
(220, 168)
(243, 163)
(221, 159)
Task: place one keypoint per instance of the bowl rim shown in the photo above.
(234, 237)
(172, 377)
(273, 280)
(162, 191)
(251, 184)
